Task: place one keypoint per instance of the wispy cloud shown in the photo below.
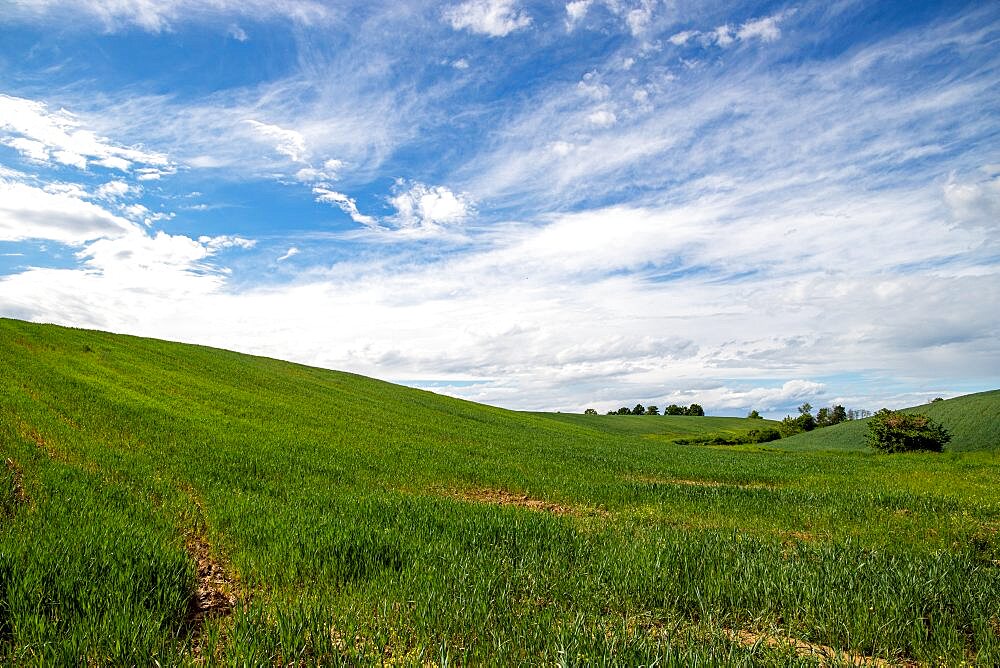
(48, 136)
(693, 207)
(163, 15)
(346, 204)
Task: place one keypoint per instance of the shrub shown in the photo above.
(765, 435)
(893, 431)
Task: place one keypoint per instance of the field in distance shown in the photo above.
(973, 422)
(186, 505)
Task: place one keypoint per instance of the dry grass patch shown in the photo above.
(826, 655)
(499, 497)
(17, 482)
(653, 480)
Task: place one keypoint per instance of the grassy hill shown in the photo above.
(185, 505)
(973, 421)
(666, 427)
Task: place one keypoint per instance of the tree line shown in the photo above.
(825, 417)
(639, 409)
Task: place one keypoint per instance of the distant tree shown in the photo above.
(674, 409)
(612, 413)
(590, 411)
(652, 410)
(937, 399)
(823, 417)
(695, 409)
(639, 410)
(894, 431)
(804, 422)
(838, 415)
(624, 411)
(754, 415)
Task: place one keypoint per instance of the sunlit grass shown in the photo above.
(350, 516)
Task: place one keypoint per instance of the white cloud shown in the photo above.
(975, 202)
(216, 244)
(496, 18)
(591, 86)
(682, 38)
(346, 204)
(765, 29)
(141, 214)
(460, 64)
(769, 399)
(289, 143)
(576, 11)
(237, 33)
(290, 253)
(161, 15)
(723, 35)
(638, 19)
(113, 190)
(602, 118)
(421, 206)
(29, 148)
(44, 135)
(561, 148)
(27, 212)
(329, 171)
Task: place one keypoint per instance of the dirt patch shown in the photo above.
(650, 480)
(28, 432)
(800, 535)
(217, 590)
(827, 656)
(19, 495)
(500, 497)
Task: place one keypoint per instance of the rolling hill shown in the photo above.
(973, 421)
(185, 505)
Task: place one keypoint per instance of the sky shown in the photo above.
(536, 205)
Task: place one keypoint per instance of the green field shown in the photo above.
(179, 504)
(972, 420)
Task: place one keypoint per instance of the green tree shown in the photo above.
(652, 410)
(639, 410)
(895, 431)
(674, 409)
(754, 415)
(624, 411)
(695, 409)
(839, 415)
(590, 411)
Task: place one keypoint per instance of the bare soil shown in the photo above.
(217, 590)
(827, 656)
(20, 496)
(503, 498)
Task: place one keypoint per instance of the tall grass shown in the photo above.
(349, 515)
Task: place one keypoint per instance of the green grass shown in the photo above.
(973, 421)
(667, 427)
(345, 511)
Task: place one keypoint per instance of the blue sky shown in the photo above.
(545, 206)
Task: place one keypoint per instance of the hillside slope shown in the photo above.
(973, 421)
(667, 427)
(189, 506)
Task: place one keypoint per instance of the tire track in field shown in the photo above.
(217, 591)
(17, 492)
